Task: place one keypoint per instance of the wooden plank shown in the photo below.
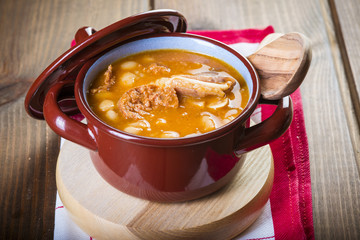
(33, 34)
(347, 32)
(335, 179)
(347, 28)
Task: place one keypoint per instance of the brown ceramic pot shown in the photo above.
(164, 170)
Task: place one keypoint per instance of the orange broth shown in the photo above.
(193, 116)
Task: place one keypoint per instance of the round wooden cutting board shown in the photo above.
(106, 213)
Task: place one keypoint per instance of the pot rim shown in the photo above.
(67, 65)
(161, 142)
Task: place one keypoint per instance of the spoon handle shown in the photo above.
(281, 62)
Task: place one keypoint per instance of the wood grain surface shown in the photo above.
(334, 172)
(34, 32)
(345, 15)
(221, 215)
(346, 25)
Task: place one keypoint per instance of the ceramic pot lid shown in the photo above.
(91, 43)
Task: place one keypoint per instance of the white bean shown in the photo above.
(170, 134)
(147, 59)
(200, 104)
(106, 105)
(133, 130)
(112, 115)
(208, 123)
(103, 95)
(219, 104)
(128, 65)
(231, 112)
(128, 79)
(141, 124)
(160, 121)
(193, 134)
(226, 120)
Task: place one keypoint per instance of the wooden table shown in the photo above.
(33, 33)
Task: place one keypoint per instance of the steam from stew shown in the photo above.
(168, 94)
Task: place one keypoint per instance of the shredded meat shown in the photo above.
(199, 85)
(138, 101)
(155, 68)
(108, 82)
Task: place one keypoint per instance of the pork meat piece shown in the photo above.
(108, 81)
(200, 84)
(224, 80)
(140, 100)
(155, 68)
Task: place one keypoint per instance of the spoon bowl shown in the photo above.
(281, 62)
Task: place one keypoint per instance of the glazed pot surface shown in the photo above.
(167, 169)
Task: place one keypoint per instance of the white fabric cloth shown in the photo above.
(262, 228)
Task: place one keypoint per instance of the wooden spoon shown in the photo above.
(282, 62)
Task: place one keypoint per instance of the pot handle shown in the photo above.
(83, 34)
(268, 130)
(62, 124)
